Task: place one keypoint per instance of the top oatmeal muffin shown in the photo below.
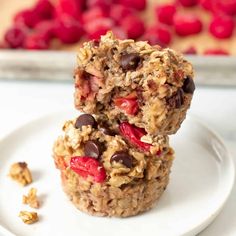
(147, 86)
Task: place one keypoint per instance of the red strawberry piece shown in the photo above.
(68, 30)
(88, 85)
(188, 3)
(118, 12)
(158, 35)
(165, 13)
(119, 32)
(133, 26)
(88, 166)
(15, 37)
(133, 134)
(227, 6)
(191, 50)
(98, 27)
(128, 104)
(216, 52)
(27, 17)
(222, 27)
(68, 7)
(44, 9)
(93, 14)
(36, 41)
(187, 24)
(139, 5)
(103, 4)
(46, 28)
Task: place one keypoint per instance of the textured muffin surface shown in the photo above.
(148, 86)
(134, 178)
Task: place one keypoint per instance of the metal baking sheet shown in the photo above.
(59, 66)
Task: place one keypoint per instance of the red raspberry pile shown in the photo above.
(71, 21)
(221, 25)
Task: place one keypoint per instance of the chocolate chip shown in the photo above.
(130, 61)
(189, 85)
(85, 119)
(93, 149)
(177, 100)
(122, 157)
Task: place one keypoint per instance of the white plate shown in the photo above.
(201, 181)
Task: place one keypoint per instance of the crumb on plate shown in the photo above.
(28, 217)
(20, 173)
(31, 198)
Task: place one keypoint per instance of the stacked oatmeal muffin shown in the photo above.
(115, 159)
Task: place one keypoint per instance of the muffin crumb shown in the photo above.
(31, 199)
(28, 217)
(20, 173)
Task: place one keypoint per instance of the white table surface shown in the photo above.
(24, 100)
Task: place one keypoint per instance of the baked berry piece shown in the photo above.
(147, 86)
(111, 172)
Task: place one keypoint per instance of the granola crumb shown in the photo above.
(28, 217)
(20, 173)
(31, 199)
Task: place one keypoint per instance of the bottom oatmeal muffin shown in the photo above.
(111, 172)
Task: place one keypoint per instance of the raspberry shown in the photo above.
(118, 12)
(215, 52)
(103, 4)
(188, 3)
(68, 30)
(221, 27)
(158, 35)
(98, 27)
(133, 26)
(15, 37)
(36, 42)
(27, 17)
(139, 5)
(88, 166)
(93, 13)
(133, 134)
(165, 13)
(128, 104)
(191, 50)
(187, 24)
(207, 4)
(46, 28)
(227, 6)
(44, 9)
(69, 7)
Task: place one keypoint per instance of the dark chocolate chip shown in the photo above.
(177, 100)
(122, 157)
(130, 61)
(189, 85)
(85, 119)
(93, 149)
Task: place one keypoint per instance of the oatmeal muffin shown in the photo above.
(147, 86)
(108, 172)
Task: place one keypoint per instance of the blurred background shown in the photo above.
(190, 26)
